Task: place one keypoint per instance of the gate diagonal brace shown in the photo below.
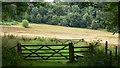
(56, 52)
(33, 52)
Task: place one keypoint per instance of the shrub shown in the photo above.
(10, 57)
(98, 57)
(25, 23)
(14, 23)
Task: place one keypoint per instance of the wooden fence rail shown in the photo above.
(63, 52)
(66, 51)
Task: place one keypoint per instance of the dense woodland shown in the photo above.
(73, 14)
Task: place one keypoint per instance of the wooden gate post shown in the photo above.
(19, 48)
(116, 52)
(110, 58)
(71, 52)
(91, 48)
(106, 46)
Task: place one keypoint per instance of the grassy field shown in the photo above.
(90, 59)
(47, 63)
(11, 40)
(60, 32)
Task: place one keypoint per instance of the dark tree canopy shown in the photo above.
(73, 14)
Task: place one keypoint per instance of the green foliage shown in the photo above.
(13, 11)
(9, 12)
(54, 20)
(10, 39)
(10, 57)
(98, 57)
(94, 25)
(9, 23)
(25, 23)
(39, 18)
(76, 14)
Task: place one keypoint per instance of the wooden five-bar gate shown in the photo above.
(50, 52)
(58, 52)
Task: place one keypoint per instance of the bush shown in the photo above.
(10, 57)
(25, 23)
(14, 23)
(98, 57)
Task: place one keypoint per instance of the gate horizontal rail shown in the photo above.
(49, 59)
(47, 45)
(83, 47)
(48, 52)
(45, 49)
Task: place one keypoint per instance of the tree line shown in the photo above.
(73, 14)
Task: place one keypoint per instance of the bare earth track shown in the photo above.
(60, 32)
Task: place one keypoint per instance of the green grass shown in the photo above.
(47, 63)
(9, 41)
(90, 59)
(46, 41)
